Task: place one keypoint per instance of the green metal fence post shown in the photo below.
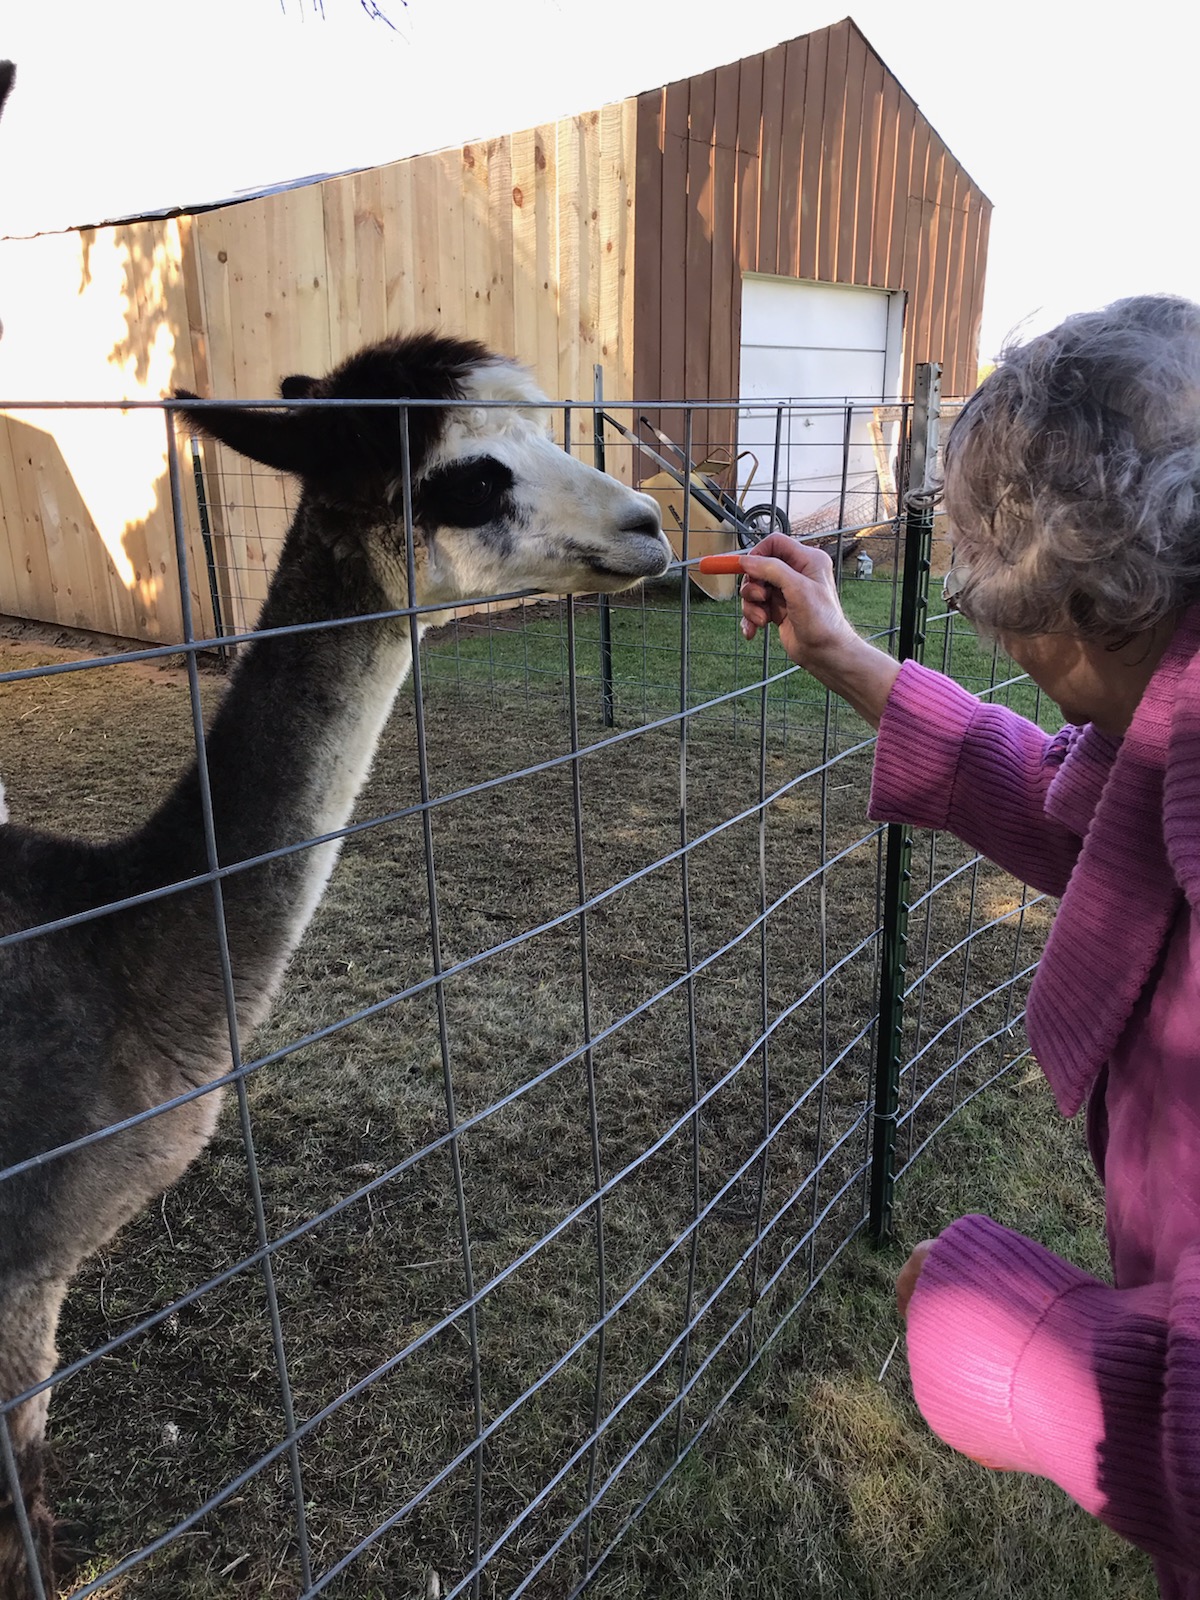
(918, 538)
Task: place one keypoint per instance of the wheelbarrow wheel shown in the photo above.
(759, 521)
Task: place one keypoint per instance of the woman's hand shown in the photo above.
(793, 586)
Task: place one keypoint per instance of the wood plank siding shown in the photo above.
(818, 166)
(525, 242)
(85, 503)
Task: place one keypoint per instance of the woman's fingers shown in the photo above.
(756, 594)
(771, 582)
(794, 586)
(796, 577)
(779, 560)
(782, 547)
(771, 572)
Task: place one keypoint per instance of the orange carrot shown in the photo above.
(716, 564)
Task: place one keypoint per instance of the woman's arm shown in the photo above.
(1025, 1363)
(944, 760)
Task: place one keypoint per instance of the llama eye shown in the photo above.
(467, 494)
(478, 489)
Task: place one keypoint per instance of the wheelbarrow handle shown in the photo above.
(662, 438)
(720, 506)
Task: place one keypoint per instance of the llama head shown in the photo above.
(496, 505)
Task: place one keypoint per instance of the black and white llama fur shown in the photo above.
(115, 1015)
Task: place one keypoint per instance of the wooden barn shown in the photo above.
(788, 224)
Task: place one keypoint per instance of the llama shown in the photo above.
(115, 1015)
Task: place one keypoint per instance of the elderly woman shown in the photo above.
(1072, 491)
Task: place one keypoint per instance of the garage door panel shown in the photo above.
(784, 311)
(802, 430)
(811, 374)
(807, 342)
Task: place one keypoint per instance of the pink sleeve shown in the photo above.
(1022, 1361)
(946, 760)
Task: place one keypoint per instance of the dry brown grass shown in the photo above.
(816, 1479)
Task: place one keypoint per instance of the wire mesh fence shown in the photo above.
(571, 1094)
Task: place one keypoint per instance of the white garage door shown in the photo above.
(824, 346)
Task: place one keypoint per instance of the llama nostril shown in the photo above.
(644, 522)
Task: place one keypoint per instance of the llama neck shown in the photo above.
(287, 755)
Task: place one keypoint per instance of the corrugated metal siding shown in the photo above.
(809, 161)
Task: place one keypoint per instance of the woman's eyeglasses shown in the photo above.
(953, 584)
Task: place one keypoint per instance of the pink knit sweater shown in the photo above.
(1018, 1358)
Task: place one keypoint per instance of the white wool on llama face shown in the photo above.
(506, 508)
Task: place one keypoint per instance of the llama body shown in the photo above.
(113, 1016)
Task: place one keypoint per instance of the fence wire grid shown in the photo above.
(570, 1097)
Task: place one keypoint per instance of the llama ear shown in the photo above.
(288, 441)
(299, 387)
(321, 447)
(8, 73)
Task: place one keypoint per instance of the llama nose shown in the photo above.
(644, 521)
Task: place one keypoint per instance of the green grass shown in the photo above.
(822, 1480)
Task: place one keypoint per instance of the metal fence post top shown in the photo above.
(926, 401)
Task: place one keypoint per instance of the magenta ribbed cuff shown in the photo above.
(983, 1298)
(1023, 1362)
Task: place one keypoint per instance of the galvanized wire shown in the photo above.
(435, 945)
(685, 908)
(731, 1317)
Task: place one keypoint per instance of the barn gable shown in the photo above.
(807, 162)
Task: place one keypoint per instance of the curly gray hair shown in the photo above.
(1072, 476)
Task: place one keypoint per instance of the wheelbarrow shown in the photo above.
(718, 521)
